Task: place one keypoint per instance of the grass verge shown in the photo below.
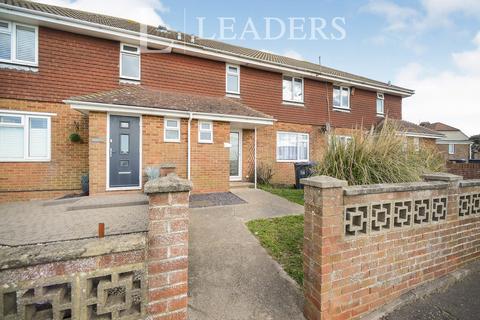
(293, 195)
(283, 239)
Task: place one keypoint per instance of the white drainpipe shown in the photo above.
(255, 158)
(188, 146)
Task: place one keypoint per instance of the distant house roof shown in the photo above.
(140, 97)
(438, 126)
(452, 135)
(193, 41)
(412, 129)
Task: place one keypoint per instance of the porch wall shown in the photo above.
(209, 162)
(62, 174)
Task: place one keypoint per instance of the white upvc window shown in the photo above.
(341, 140)
(380, 104)
(172, 130)
(232, 79)
(451, 148)
(18, 43)
(24, 137)
(416, 143)
(292, 89)
(292, 147)
(129, 62)
(205, 132)
(341, 97)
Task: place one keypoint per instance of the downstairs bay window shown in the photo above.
(292, 147)
(24, 137)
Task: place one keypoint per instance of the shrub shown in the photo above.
(264, 173)
(382, 156)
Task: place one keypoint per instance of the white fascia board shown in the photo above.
(453, 142)
(100, 107)
(420, 135)
(47, 114)
(192, 49)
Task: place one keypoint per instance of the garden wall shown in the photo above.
(120, 277)
(365, 246)
(466, 170)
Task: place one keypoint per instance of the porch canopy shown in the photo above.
(136, 99)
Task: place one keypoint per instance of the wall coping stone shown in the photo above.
(23, 256)
(324, 182)
(470, 183)
(169, 183)
(397, 187)
(441, 176)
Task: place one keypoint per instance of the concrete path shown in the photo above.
(460, 301)
(231, 275)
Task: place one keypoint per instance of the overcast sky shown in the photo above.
(431, 46)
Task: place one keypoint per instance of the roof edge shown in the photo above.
(57, 19)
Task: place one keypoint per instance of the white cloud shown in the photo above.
(398, 17)
(144, 11)
(294, 54)
(446, 96)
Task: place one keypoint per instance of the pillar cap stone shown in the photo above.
(324, 182)
(169, 183)
(441, 176)
(168, 165)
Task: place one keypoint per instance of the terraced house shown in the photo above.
(79, 94)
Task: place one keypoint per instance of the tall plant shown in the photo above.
(381, 156)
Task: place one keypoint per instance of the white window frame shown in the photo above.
(451, 148)
(297, 134)
(380, 96)
(25, 124)
(12, 30)
(200, 130)
(122, 52)
(227, 73)
(177, 128)
(416, 143)
(293, 89)
(341, 107)
(343, 139)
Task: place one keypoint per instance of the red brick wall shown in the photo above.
(348, 276)
(466, 170)
(61, 175)
(462, 151)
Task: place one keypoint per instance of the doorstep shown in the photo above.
(241, 185)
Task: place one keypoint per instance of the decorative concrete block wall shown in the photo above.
(365, 246)
(126, 277)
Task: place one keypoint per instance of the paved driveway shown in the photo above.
(231, 275)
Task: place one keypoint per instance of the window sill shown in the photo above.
(171, 141)
(232, 95)
(205, 142)
(292, 103)
(24, 160)
(129, 81)
(18, 67)
(341, 110)
(292, 161)
(381, 115)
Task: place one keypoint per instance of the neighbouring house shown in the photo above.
(80, 95)
(418, 136)
(455, 145)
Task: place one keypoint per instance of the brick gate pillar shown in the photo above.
(322, 230)
(167, 247)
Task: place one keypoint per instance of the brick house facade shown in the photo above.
(73, 61)
(454, 145)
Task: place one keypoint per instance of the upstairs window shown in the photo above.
(292, 89)
(18, 43)
(24, 138)
(172, 130)
(205, 132)
(292, 147)
(233, 79)
(341, 97)
(129, 62)
(380, 104)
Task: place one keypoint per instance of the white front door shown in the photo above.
(236, 155)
